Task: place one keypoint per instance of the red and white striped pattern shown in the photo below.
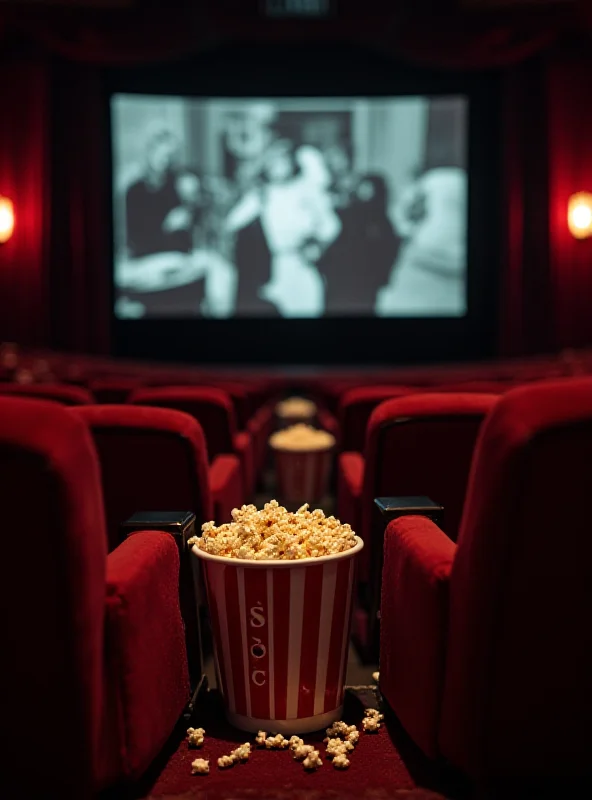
(281, 636)
(302, 476)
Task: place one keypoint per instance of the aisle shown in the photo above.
(383, 765)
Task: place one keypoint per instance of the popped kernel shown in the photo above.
(312, 760)
(242, 752)
(302, 751)
(260, 738)
(373, 713)
(302, 437)
(195, 737)
(376, 676)
(370, 725)
(273, 533)
(295, 741)
(200, 766)
(341, 761)
(276, 742)
(337, 747)
(340, 729)
(296, 408)
(225, 761)
(353, 737)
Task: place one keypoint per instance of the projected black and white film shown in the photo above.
(294, 208)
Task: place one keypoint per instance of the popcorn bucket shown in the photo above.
(281, 637)
(302, 475)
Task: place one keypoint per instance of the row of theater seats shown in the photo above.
(485, 642)
(480, 618)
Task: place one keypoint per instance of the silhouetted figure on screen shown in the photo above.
(157, 221)
(360, 261)
(158, 275)
(277, 227)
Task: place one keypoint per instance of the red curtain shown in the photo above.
(526, 302)
(24, 178)
(80, 270)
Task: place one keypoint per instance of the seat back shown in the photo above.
(355, 409)
(113, 390)
(422, 445)
(152, 459)
(518, 693)
(52, 597)
(212, 408)
(59, 393)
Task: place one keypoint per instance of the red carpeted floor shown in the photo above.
(383, 765)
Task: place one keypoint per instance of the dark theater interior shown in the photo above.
(295, 399)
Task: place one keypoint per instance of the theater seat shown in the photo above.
(94, 673)
(214, 410)
(419, 445)
(155, 459)
(59, 393)
(486, 644)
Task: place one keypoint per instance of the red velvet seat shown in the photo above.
(94, 672)
(59, 393)
(214, 410)
(155, 459)
(416, 445)
(486, 645)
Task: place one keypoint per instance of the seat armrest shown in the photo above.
(418, 558)
(226, 486)
(350, 480)
(243, 447)
(146, 673)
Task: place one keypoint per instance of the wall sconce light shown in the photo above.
(6, 219)
(579, 215)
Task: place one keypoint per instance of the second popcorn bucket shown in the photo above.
(281, 637)
(303, 457)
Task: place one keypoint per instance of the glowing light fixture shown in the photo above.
(579, 215)
(6, 219)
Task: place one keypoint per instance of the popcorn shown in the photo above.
(376, 676)
(195, 737)
(200, 766)
(302, 751)
(296, 408)
(312, 760)
(302, 437)
(224, 762)
(373, 713)
(353, 737)
(341, 761)
(370, 725)
(337, 747)
(273, 533)
(276, 742)
(340, 729)
(242, 752)
(260, 738)
(295, 741)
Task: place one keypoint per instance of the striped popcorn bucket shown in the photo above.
(281, 636)
(302, 475)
